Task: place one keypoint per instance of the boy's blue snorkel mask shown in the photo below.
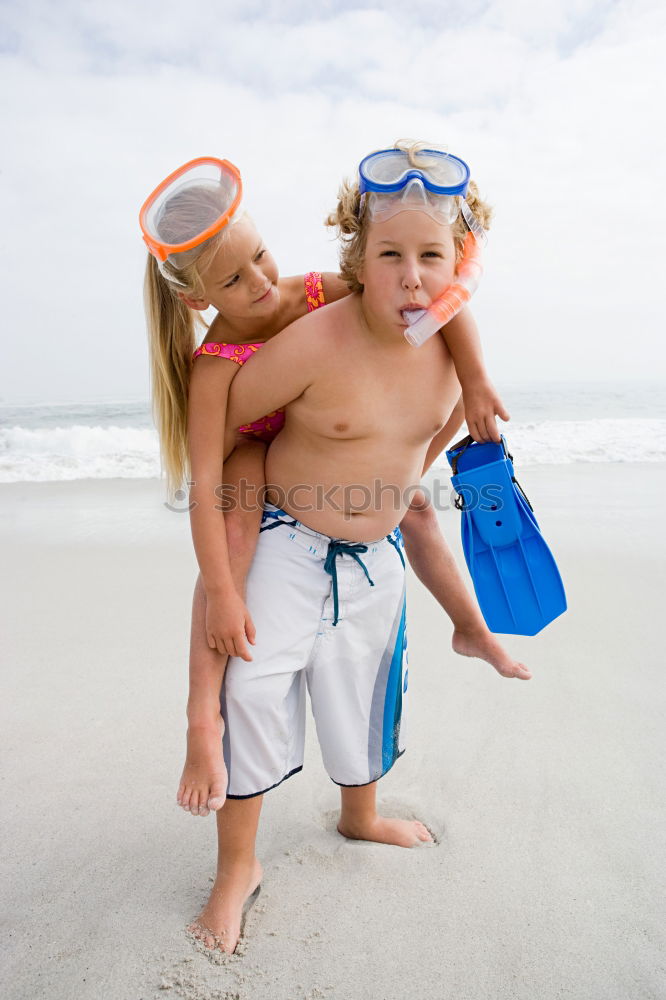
(389, 183)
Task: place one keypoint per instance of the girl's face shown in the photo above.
(409, 260)
(241, 280)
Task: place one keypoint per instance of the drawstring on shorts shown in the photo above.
(337, 548)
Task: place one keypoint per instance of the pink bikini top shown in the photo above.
(267, 427)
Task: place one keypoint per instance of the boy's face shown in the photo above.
(409, 260)
(241, 280)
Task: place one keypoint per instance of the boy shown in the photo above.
(366, 414)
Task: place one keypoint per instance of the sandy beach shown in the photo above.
(547, 797)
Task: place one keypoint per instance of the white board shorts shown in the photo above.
(355, 668)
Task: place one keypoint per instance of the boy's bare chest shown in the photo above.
(356, 399)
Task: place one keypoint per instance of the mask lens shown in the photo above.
(192, 205)
(390, 168)
(443, 171)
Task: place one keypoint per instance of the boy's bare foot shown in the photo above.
(485, 646)
(399, 832)
(220, 923)
(203, 784)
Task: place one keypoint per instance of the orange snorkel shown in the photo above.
(425, 323)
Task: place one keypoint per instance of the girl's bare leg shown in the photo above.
(359, 820)
(433, 562)
(203, 784)
(238, 874)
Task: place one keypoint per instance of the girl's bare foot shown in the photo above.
(483, 644)
(220, 923)
(399, 832)
(203, 784)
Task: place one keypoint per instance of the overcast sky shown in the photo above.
(558, 109)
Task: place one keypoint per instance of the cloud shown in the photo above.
(556, 109)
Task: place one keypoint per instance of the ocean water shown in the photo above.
(550, 424)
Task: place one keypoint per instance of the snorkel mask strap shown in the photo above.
(168, 276)
(473, 223)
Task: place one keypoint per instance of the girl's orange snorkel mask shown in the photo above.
(202, 198)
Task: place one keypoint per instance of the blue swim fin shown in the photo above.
(517, 582)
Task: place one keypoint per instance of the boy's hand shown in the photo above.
(482, 405)
(229, 626)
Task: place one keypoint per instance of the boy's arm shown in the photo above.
(480, 399)
(276, 375)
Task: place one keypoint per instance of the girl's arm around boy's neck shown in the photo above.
(463, 341)
(480, 400)
(334, 287)
(444, 437)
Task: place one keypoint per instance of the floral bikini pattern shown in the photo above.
(314, 291)
(233, 352)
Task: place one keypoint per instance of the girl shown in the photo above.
(203, 251)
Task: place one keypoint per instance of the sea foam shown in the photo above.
(563, 442)
(80, 451)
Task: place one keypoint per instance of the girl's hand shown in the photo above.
(229, 626)
(482, 405)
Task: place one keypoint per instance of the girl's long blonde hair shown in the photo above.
(173, 325)
(172, 341)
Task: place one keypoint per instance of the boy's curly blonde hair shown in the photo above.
(352, 224)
